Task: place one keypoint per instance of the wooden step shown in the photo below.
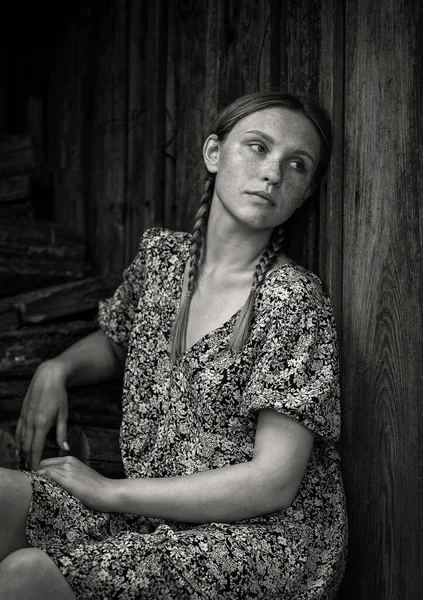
(14, 187)
(55, 302)
(36, 253)
(16, 154)
(99, 404)
(22, 350)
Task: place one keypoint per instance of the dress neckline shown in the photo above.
(228, 323)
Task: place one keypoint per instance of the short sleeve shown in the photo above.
(297, 372)
(116, 314)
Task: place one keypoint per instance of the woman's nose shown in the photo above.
(272, 173)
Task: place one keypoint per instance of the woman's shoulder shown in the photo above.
(162, 238)
(291, 286)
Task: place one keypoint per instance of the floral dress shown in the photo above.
(200, 414)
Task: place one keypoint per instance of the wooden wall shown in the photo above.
(134, 87)
(382, 309)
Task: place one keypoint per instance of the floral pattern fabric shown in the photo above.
(200, 414)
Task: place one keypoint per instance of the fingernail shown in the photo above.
(66, 446)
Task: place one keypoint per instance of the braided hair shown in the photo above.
(196, 254)
(226, 121)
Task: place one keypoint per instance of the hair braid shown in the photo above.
(265, 264)
(196, 252)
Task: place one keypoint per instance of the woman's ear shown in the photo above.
(211, 151)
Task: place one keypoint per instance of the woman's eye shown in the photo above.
(298, 165)
(257, 147)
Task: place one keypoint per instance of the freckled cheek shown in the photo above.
(236, 174)
(291, 196)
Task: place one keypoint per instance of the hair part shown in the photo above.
(226, 121)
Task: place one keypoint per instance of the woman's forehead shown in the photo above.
(279, 122)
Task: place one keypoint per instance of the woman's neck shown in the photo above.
(231, 246)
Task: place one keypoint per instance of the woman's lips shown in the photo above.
(264, 195)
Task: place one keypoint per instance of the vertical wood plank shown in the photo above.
(193, 56)
(245, 65)
(68, 102)
(311, 65)
(218, 51)
(155, 121)
(331, 213)
(382, 306)
(300, 74)
(137, 117)
(109, 135)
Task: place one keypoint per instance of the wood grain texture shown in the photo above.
(191, 97)
(310, 61)
(67, 115)
(245, 65)
(22, 350)
(16, 154)
(331, 93)
(64, 300)
(14, 187)
(155, 121)
(382, 292)
(99, 403)
(97, 447)
(306, 45)
(109, 55)
(137, 88)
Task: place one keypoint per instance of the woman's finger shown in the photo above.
(62, 430)
(58, 461)
(28, 434)
(18, 433)
(22, 427)
(38, 440)
(52, 473)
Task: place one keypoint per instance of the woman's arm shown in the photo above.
(268, 483)
(93, 359)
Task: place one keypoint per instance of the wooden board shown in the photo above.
(14, 187)
(98, 404)
(310, 61)
(190, 105)
(108, 148)
(22, 350)
(137, 88)
(98, 448)
(69, 119)
(245, 49)
(217, 52)
(16, 154)
(36, 253)
(57, 302)
(382, 299)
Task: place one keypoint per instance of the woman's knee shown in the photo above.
(15, 492)
(22, 568)
(25, 563)
(32, 570)
(15, 499)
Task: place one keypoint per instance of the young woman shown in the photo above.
(230, 402)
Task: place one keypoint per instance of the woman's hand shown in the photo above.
(45, 402)
(92, 489)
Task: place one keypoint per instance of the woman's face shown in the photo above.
(265, 166)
